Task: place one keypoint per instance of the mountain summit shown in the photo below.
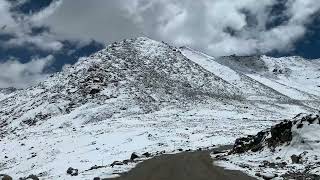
(141, 95)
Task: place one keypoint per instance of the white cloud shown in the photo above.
(42, 41)
(200, 24)
(17, 74)
(218, 27)
(101, 20)
(203, 24)
(48, 11)
(7, 22)
(21, 26)
(301, 10)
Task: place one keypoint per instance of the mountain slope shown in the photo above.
(136, 95)
(141, 74)
(287, 79)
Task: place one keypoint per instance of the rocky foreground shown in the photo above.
(288, 150)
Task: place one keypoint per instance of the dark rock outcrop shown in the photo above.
(280, 134)
(277, 135)
(253, 143)
(72, 171)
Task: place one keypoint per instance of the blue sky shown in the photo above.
(52, 33)
(309, 45)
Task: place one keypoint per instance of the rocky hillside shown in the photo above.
(138, 74)
(140, 95)
(289, 150)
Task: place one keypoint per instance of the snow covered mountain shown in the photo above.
(140, 95)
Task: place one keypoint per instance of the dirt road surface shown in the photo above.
(182, 166)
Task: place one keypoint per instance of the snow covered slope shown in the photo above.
(138, 95)
(288, 150)
(266, 78)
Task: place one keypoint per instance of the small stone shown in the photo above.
(134, 156)
(116, 163)
(69, 170)
(33, 177)
(282, 164)
(272, 165)
(126, 161)
(295, 159)
(94, 91)
(95, 167)
(96, 178)
(5, 177)
(217, 152)
(72, 171)
(268, 176)
(146, 154)
(299, 126)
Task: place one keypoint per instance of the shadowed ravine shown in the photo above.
(182, 166)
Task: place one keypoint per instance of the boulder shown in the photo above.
(72, 171)
(31, 177)
(134, 156)
(146, 154)
(280, 133)
(296, 159)
(5, 177)
(94, 91)
(126, 161)
(116, 163)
